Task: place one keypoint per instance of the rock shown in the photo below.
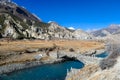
(31, 50)
(90, 53)
(100, 51)
(53, 54)
(38, 57)
(61, 54)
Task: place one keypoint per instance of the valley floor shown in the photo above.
(26, 50)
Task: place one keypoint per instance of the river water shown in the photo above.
(45, 72)
(102, 55)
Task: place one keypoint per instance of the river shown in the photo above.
(56, 71)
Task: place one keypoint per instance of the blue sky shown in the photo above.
(80, 14)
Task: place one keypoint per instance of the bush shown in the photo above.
(114, 50)
(21, 37)
(107, 63)
(71, 50)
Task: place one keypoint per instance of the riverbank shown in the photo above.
(18, 66)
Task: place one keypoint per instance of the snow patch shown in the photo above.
(72, 28)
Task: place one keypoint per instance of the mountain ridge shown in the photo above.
(17, 23)
(111, 30)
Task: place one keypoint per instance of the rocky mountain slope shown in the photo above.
(111, 30)
(17, 23)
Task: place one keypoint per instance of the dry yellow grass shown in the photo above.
(83, 46)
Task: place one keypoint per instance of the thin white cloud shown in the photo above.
(72, 28)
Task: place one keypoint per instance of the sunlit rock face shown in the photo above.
(79, 34)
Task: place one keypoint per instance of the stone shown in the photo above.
(31, 50)
(53, 54)
(38, 57)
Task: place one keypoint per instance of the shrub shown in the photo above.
(107, 63)
(71, 50)
(114, 50)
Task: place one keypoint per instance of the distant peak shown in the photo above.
(114, 26)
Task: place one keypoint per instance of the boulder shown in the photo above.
(31, 50)
(53, 54)
(38, 57)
